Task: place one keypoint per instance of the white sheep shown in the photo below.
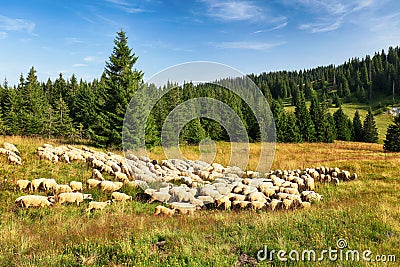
(120, 176)
(49, 184)
(224, 200)
(110, 186)
(242, 204)
(305, 205)
(164, 211)
(11, 147)
(76, 186)
(257, 205)
(33, 201)
(63, 188)
(257, 196)
(13, 160)
(97, 205)
(23, 184)
(36, 184)
(73, 197)
(92, 183)
(184, 208)
(274, 204)
(118, 196)
(160, 197)
(287, 203)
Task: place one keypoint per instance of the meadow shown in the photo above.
(364, 212)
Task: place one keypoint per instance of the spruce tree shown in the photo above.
(121, 82)
(370, 132)
(306, 126)
(357, 133)
(392, 141)
(292, 132)
(317, 118)
(343, 132)
(280, 120)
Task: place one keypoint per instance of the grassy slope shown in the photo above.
(382, 120)
(364, 212)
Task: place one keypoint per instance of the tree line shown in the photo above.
(95, 110)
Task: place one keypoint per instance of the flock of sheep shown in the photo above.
(12, 153)
(201, 185)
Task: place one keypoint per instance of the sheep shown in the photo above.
(269, 192)
(65, 157)
(164, 211)
(309, 182)
(257, 196)
(249, 189)
(184, 208)
(118, 196)
(120, 176)
(63, 188)
(275, 204)
(96, 205)
(110, 186)
(240, 204)
(13, 160)
(335, 181)
(180, 194)
(73, 197)
(36, 184)
(23, 184)
(257, 205)
(91, 183)
(225, 201)
(76, 186)
(11, 147)
(107, 169)
(49, 184)
(287, 203)
(313, 197)
(305, 205)
(237, 197)
(289, 190)
(160, 197)
(206, 199)
(33, 201)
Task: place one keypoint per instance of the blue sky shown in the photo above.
(251, 36)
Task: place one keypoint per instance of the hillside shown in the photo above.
(364, 212)
(76, 109)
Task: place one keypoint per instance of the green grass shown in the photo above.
(364, 212)
(382, 120)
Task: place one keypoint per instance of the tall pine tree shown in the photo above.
(121, 82)
(304, 121)
(370, 132)
(357, 133)
(392, 141)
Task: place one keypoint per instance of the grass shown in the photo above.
(364, 212)
(382, 120)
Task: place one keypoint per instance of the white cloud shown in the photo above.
(11, 24)
(77, 65)
(233, 10)
(126, 6)
(89, 59)
(280, 26)
(73, 40)
(248, 45)
(322, 26)
(3, 35)
(329, 15)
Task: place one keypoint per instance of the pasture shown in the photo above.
(364, 212)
